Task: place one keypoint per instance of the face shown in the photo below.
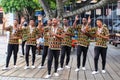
(32, 22)
(49, 22)
(15, 22)
(54, 21)
(99, 23)
(84, 20)
(65, 21)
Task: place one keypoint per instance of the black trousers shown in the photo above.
(53, 54)
(65, 50)
(45, 52)
(81, 49)
(23, 44)
(12, 48)
(103, 52)
(33, 47)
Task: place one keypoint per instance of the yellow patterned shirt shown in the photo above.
(24, 33)
(55, 42)
(100, 42)
(67, 40)
(83, 39)
(14, 33)
(30, 35)
(46, 35)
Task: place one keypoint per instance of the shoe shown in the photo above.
(83, 68)
(26, 67)
(60, 69)
(77, 69)
(41, 67)
(95, 72)
(56, 74)
(5, 68)
(47, 76)
(68, 67)
(21, 55)
(33, 67)
(15, 66)
(103, 71)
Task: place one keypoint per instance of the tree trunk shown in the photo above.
(88, 8)
(47, 9)
(60, 5)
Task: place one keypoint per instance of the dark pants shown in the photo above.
(65, 50)
(53, 54)
(103, 52)
(81, 49)
(23, 44)
(33, 54)
(45, 52)
(12, 48)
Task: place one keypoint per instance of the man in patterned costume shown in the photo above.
(66, 44)
(13, 43)
(54, 46)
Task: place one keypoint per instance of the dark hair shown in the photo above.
(32, 19)
(99, 20)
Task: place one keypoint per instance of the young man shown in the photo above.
(54, 46)
(13, 43)
(46, 44)
(66, 44)
(102, 36)
(32, 34)
(83, 41)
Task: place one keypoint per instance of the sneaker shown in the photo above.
(33, 67)
(15, 66)
(26, 67)
(103, 71)
(83, 68)
(47, 76)
(68, 67)
(41, 67)
(21, 55)
(95, 72)
(77, 69)
(60, 69)
(5, 68)
(56, 74)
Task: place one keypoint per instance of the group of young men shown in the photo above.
(57, 41)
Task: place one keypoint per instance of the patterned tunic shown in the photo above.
(55, 42)
(34, 34)
(24, 33)
(100, 42)
(67, 40)
(46, 35)
(14, 33)
(83, 39)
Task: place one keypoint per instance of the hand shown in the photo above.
(89, 20)
(22, 20)
(76, 18)
(39, 17)
(4, 20)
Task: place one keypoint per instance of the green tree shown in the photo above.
(21, 7)
(83, 7)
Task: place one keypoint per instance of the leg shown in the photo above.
(15, 51)
(23, 44)
(56, 57)
(33, 54)
(103, 56)
(50, 59)
(45, 52)
(68, 55)
(85, 49)
(63, 49)
(10, 48)
(79, 51)
(27, 54)
(96, 57)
